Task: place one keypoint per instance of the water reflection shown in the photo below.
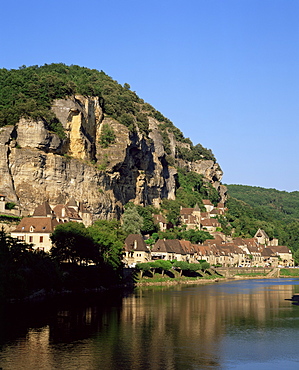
(192, 327)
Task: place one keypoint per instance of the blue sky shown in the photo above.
(224, 71)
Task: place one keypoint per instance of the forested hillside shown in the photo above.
(277, 212)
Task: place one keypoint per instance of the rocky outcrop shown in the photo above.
(37, 165)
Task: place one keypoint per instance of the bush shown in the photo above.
(107, 136)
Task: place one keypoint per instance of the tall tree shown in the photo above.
(132, 222)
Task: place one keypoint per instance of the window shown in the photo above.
(30, 239)
(41, 239)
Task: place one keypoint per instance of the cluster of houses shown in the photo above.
(38, 228)
(224, 251)
(194, 218)
(258, 251)
(239, 252)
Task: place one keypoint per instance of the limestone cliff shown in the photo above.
(37, 165)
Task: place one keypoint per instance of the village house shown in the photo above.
(162, 223)
(135, 250)
(190, 217)
(36, 230)
(168, 249)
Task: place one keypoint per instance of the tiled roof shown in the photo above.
(36, 225)
(135, 240)
(280, 249)
(210, 222)
(159, 218)
(186, 211)
(69, 212)
(43, 210)
(207, 202)
(72, 203)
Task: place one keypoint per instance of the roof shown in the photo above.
(135, 242)
(187, 246)
(72, 202)
(159, 218)
(43, 210)
(36, 225)
(281, 249)
(261, 233)
(186, 211)
(69, 212)
(196, 208)
(207, 202)
(168, 246)
(210, 222)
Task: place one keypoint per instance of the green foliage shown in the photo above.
(191, 190)
(9, 218)
(194, 153)
(204, 266)
(172, 208)
(289, 272)
(30, 91)
(10, 205)
(109, 237)
(195, 236)
(148, 226)
(107, 136)
(23, 271)
(132, 222)
(274, 211)
(72, 243)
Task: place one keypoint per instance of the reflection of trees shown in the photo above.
(158, 328)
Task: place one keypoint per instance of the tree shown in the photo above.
(132, 222)
(181, 266)
(163, 265)
(143, 267)
(108, 237)
(72, 243)
(148, 226)
(204, 266)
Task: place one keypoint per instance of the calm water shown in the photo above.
(230, 325)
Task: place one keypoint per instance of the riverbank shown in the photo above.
(212, 278)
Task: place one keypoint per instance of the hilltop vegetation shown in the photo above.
(277, 212)
(30, 91)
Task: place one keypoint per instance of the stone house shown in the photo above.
(135, 250)
(208, 205)
(285, 257)
(169, 249)
(262, 237)
(190, 217)
(162, 223)
(36, 231)
(210, 224)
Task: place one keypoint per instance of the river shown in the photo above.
(239, 324)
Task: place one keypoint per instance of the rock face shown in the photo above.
(36, 165)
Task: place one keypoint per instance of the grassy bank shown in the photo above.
(252, 274)
(174, 278)
(289, 272)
